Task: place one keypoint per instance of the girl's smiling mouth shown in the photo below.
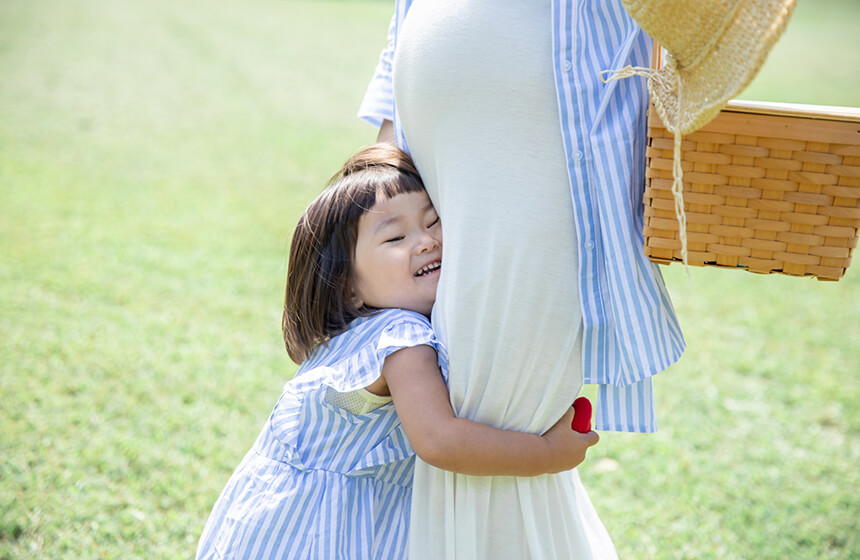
(429, 268)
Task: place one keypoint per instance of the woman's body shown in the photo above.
(478, 88)
(461, 126)
(509, 285)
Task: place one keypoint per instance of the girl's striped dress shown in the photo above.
(321, 482)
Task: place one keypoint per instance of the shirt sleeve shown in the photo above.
(626, 408)
(378, 102)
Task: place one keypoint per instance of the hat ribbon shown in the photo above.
(677, 172)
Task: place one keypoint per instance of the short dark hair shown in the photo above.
(319, 302)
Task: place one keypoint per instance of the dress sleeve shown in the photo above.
(404, 333)
(378, 102)
(387, 333)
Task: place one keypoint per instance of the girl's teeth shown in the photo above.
(426, 269)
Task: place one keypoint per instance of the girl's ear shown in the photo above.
(353, 296)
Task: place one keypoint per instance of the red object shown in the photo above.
(581, 415)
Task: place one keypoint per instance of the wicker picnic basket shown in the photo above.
(768, 188)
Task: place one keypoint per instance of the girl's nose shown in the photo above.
(427, 243)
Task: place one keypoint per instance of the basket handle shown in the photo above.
(657, 56)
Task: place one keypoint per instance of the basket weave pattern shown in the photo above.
(771, 194)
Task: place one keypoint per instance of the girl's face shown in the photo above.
(398, 254)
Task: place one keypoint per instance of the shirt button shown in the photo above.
(589, 245)
(567, 66)
(578, 155)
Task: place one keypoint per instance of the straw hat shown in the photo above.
(715, 49)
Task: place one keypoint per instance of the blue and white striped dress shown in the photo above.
(321, 482)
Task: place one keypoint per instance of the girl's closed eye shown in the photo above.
(395, 239)
(433, 223)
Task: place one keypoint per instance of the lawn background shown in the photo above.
(154, 157)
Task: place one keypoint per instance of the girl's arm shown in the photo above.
(386, 133)
(420, 396)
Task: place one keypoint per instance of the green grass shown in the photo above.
(816, 59)
(153, 159)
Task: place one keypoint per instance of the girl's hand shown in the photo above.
(567, 447)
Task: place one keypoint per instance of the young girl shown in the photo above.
(330, 476)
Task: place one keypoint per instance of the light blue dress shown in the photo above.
(321, 482)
